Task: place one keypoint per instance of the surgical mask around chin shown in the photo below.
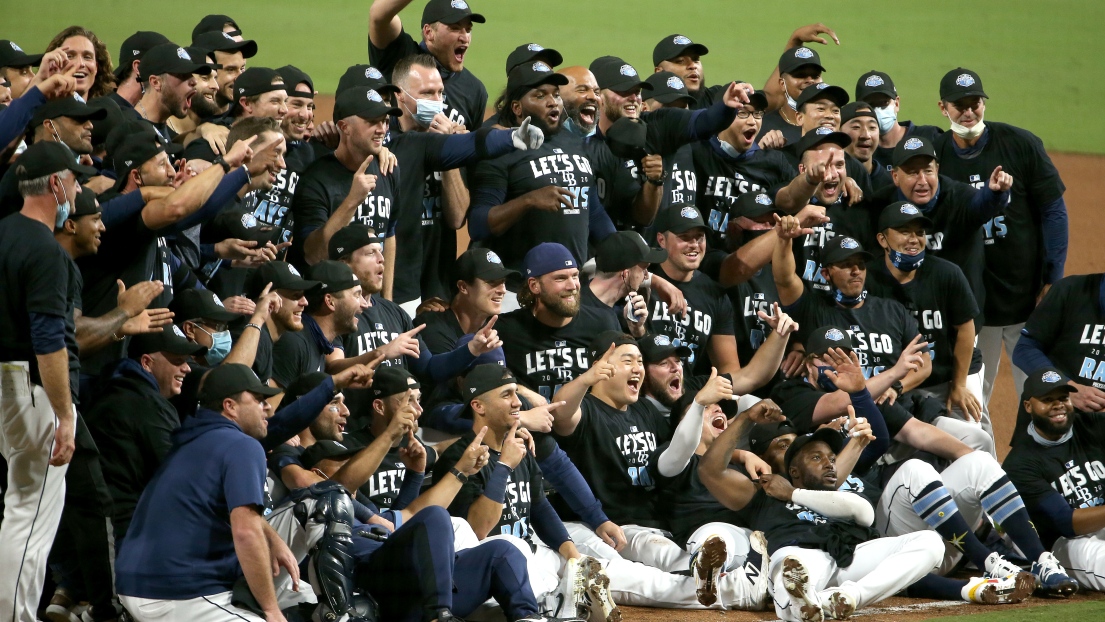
(968, 133)
(848, 301)
(426, 110)
(63, 208)
(220, 345)
(887, 118)
(823, 380)
(907, 263)
(729, 150)
(790, 100)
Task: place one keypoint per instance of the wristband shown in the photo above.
(460, 476)
(252, 325)
(495, 489)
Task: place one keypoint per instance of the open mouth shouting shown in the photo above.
(588, 113)
(634, 384)
(719, 423)
(459, 52)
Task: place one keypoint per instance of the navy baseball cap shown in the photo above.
(242, 225)
(680, 219)
(531, 75)
(174, 59)
(484, 378)
(449, 12)
(135, 46)
(655, 348)
(668, 87)
(531, 52)
(602, 342)
(85, 204)
(67, 107)
(365, 75)
(840, 248)
(282, 275)
(831, 437)
(821, 339)
(900, 213)
(761, 435)
(875, 83)
(673, 46)
(797, 57)
(334, 276)
(617, 75)
(547, 257)
(327, 450)
(256, 81)
(959, 83)
(482, 263)
(196, 304)
(752, 205)
(1043, 381)
(856, 109)
(293, 77)
(169, 339)
(912, 147)
(820, 135)
(303, 385)
(819, 91)
(215, 23)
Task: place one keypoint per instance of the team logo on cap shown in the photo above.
(1051, 377)
(249, 221)
(912, 143)
(661, 340)
(675, 83)
(128, 162)
(822, 85)
(834, 334)
(823, 131)
(493, 258)
(227, 36)
(183, 54)
(533, 47)
(340, 249)
(681, 40)
(849, 243)
(373, 74)
(627, 70)
(292, 269)
(541, 67)
(910, 209)
(373, 96)
(803, 53)
(178, 332)
(135, 52)
(215, 298)
(873, 81)
(459, 4)
(965, 79)
(14, 46)
(688, 212)
(763, 199)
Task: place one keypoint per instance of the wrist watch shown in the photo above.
(898, 388)
(223, 163)
(460, 476)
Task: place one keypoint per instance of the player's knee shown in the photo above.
(919, 474)
(433, 518)
(931, 544)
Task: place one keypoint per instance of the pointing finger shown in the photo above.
(414, 331)
(479, 437)
(490, 323)
(364, 165)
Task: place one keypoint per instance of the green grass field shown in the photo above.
(1038, 59)
(1056, 612)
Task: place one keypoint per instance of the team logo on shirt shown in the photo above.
(628, 70)
(965, 79)
(178, 332)
(763, 199)
(681, 40)
(459, 4)
(675, 83)
(373, 73)
(909, 209)
(912, 143)
(249, 221)
(541, 67)
(849, 243)
(1051, 377)
(533, 47)
(661, 340)
(688, 212)
(216, 300)
(803, 53)
(834, 335)
(823, 131)
(14, 46)
(182, 53)
(373, 96)
(873, 81)
(493, 258)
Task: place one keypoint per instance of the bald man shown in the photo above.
(581, 100)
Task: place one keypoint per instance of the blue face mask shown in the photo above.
(220, 346)
(886, 117)
(63, 209)
(426, 110)
(848, 301)
(907, 263)
(823, 380)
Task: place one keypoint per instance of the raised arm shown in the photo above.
(384, 24)
(729, 486)
(767, 359)
(567, 416)
(789, 286)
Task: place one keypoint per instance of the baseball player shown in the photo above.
(581, 101)
(801, 512)
(876, 89)
(621, 269)
(480, 288)
(1055, 465)
(858, 120)
(1026, 246)
(1065, 332)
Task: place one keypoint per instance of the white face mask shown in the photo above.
(968, 133)
(887, 118)
(729, 150)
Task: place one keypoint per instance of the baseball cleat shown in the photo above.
(762, 582)
(804, 603)
(595, 604)
(997, 567)
(1051, 577)
(1010, 589)
(707, 563)
(838, 604)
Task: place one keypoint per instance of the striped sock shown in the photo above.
(1003, 503)
(936, 507)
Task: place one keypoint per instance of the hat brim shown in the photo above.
(219, 315)
(183, 347)
(924, 220)
(301, 285)
(674, 97)
(1063, 387)
(495, 274)
(829, 436)
(878, 90)
(626, 85)
(83, 170)
(839, 256)
(840, 139)
(664, 352)
(833, 93)
(28, 60)
(953, 97)
(792, 68)
(899, 163)
(683, 227)
(555, 79)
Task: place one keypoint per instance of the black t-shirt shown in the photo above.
(523, 488)
(686, 502)
(726, 179)
(957, 234)
(929, 132)
(1074, 469)
(274, 207)
(748, 299)
(785, 523)
(465, 95)
(542, 357)
(1014, 242)
(939, 299)
(442, 330)
(612, 450)
(798, 399)
(377, 326)
(323, 187)
(709, 313)
(774, 121)
(74, 285)
(262, 361)
(384, 485)
(855, 221)
(296, 354)
(35, 271)
(880, 329)
(1070, 327)
(588, 298)
(560, 161)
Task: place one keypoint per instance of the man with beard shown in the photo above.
(1055, 466)
(859, 121)
(230, 53)
(1025, 246)
(581, 100)
(877, 90)
(128, 89)
(446, 35)
(168, 84)
(261, 93)
(546, 340)
(1064, 331)
(539, 195)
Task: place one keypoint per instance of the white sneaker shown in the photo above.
(707, 562)
(595, 603)
(804, 603)
(762, 583)
(62, 608)
(1000, 591)
(997, 567)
